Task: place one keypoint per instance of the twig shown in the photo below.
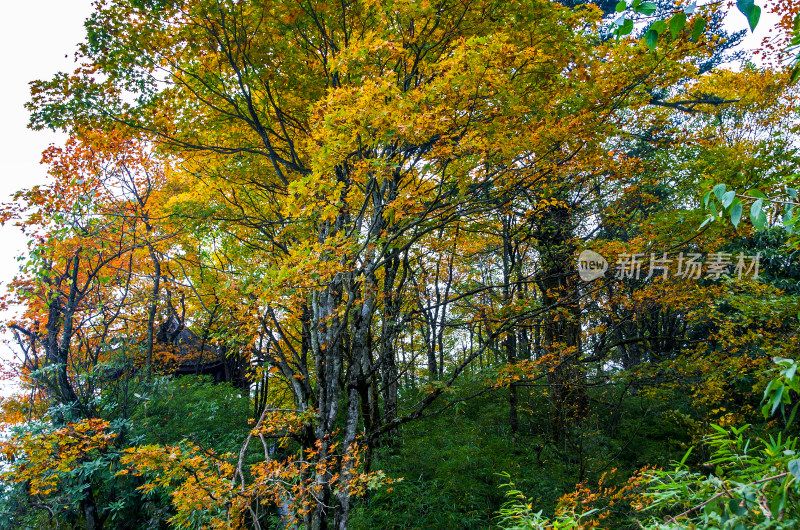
(720, 494)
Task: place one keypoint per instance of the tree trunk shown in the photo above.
(557, 280)
(151, 315)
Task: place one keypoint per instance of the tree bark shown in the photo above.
(151, 315)
(557, 280)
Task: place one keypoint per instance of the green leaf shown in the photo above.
(777, 398)
(677, 24)
(651, 39)
(727, 199)
(755, 208)
(750, 10)
(685, 457)
(698, 28)
(755, 15)
(794, 468)
(795, 74)
(621, 6)
(647, 8)
(735, 507)
(757, 215)
(626, 28)
(791, 372)
(719, 191)
(745, 6)
(720, 429)
(788, 215)
(761, 221)
(736, 213)
(768, 392)
(706, 198)
(755, 193)
(659, 26)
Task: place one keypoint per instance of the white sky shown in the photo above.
(36, 36)
(40, 38)
(736, 21)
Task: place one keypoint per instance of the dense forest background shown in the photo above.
(316, 265)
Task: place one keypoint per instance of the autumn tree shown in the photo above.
(342, 197)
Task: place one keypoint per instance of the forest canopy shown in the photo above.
(410, 264)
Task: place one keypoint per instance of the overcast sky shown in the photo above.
(36, 36)
(39, 39)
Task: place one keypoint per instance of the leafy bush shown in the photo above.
(746, 483)
(209, 414)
